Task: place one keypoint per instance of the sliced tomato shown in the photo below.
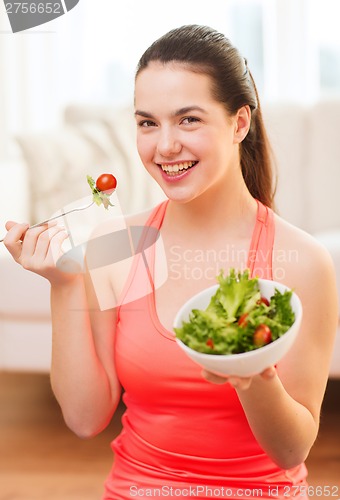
(263, 300)
(243, 320)
(262, 335)
(106, 183)
(210, 343)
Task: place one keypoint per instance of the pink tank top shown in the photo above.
(175, 419)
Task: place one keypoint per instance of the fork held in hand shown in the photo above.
(58, 216)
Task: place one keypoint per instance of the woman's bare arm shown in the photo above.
(83, 375)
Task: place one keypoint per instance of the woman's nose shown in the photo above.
(168, 143)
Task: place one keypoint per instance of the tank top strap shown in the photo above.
(140, 264)
(156, 217)
(260, 257)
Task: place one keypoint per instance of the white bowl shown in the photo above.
(247, 363)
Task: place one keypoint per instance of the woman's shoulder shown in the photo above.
(288, 235)
(297, 253)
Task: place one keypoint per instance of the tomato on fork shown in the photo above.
(106, 183)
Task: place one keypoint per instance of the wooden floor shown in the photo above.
(40, 459)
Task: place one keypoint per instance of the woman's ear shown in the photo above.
(242, 123)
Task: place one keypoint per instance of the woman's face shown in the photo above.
(185, 138)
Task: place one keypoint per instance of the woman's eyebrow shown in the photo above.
(178, 112)
(188, 109)
(143, 113)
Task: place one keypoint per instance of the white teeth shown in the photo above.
(177, 167)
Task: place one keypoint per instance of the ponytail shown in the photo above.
(257, 159)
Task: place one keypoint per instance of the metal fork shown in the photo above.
(57, 216)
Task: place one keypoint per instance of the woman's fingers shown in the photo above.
(38, 249)
(40, 245)
(237, 382)
(55, 250)
(13, 239)
(38, 240)
(31, 247)
(9, 224)
(212, 377)
(269, 373)
(241, 383)
(32, 237)
(17, 233)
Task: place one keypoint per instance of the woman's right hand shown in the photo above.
(38, 249)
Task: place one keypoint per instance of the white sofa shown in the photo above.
(91, 140)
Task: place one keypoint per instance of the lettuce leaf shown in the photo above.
(98, 196)
(237, 293)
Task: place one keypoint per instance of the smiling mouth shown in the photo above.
(177, 168)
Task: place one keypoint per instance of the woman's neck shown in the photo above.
(229, 210)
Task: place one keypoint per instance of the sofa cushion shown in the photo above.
(321, 186)
(18, 303)
(287, 132)
(331, 241)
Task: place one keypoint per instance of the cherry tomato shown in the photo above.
(243, 319)
(106, 183)
(262, 335)
(210, 343)
(263, 300)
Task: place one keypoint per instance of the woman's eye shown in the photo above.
(190, 119)
(146, 123)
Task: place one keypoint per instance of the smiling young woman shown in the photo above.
(186, 140)
(200, 135)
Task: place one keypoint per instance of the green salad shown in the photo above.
(237, 318)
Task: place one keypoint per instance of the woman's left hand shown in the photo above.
(241, 383)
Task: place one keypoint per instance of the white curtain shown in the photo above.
(39, 75)
(90, 53)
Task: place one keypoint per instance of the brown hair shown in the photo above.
(203, 49)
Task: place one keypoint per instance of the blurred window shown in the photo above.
(292, 46)
(90, 54)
